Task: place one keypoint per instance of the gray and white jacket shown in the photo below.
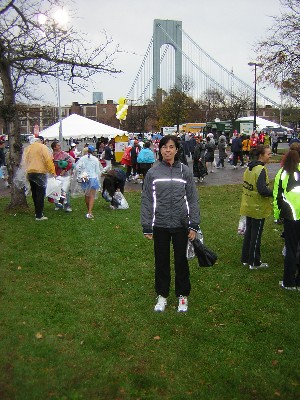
(170, 198)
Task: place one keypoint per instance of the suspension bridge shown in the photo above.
(173, 57)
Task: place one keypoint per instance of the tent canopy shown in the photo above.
(262, 123)
(78, 127)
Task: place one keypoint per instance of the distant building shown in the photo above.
(98, 97)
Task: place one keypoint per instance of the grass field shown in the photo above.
(77, 320)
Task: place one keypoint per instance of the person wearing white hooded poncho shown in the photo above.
(89, 170)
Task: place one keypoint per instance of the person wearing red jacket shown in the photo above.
(63, 163)
(253, 140)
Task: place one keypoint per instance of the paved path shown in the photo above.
(222, 176)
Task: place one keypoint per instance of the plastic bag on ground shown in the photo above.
(121, 201)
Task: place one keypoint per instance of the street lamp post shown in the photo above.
(255, 65)
(60, 133)
(60, 19)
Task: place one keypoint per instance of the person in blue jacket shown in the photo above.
(145, 159)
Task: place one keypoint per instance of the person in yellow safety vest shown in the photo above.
(286, 203)
(255, 205)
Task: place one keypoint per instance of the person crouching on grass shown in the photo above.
(170, 212)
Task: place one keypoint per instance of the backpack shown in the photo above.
(127, 155)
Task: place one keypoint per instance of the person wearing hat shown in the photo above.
(89, 171)
(37, 162)
(222, 151)
(63, 167)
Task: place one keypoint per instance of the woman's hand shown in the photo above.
(192, 234)
(150, 237)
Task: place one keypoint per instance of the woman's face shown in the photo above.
(265, 158)
(168, 151)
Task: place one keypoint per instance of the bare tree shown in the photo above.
(226, 107)
(186, 84)
(280, 50)
(31, 52)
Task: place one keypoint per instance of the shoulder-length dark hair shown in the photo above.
(291, 161)
(164, 140)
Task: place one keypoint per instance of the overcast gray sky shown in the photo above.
(227, 30)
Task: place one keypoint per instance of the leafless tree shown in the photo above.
(32, 52)
(226, 107)
(280, 50)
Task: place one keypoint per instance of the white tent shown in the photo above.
(263, 123)
(78, 127)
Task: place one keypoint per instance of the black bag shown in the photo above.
(206, 257)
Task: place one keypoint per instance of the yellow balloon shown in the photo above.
(121, 109)
(122, 100)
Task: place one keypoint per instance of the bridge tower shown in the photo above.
(166, 32)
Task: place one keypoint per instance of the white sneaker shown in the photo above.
(182, 304)
(41, 219)
(281, 285)
(89, 216)
(68, 209)
(161, 304)
(262, 265)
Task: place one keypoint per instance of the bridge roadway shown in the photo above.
(222, 176)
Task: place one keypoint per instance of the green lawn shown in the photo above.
(77, 320)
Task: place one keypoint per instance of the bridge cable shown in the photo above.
(226, 70)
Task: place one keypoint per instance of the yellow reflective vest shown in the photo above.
(253, 204)
(286, 192)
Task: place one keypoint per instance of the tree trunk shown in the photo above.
(10, 117)
(18, 198)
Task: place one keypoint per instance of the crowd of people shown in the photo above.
(169, 201)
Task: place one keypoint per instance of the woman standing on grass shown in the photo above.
(170, 212)
(255, 205)
(287, 206)
(90, 172)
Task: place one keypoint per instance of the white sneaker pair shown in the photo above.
(41, 219)
(162, 302)
(262, 265)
